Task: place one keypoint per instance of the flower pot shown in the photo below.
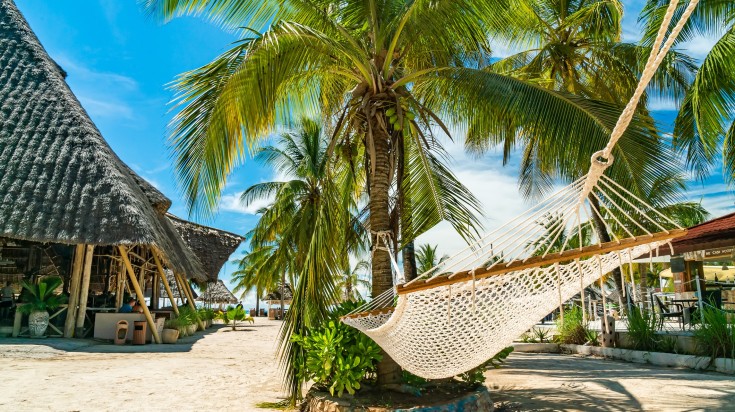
(191, 329)
(38, 323)
(209, 323)
(183, 331)
(170, 335)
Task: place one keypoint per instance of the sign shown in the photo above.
(721, 252)
(677, 264)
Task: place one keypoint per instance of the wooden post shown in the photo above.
(76, 274)
(155, 290)
(184, 286)
(139, 293)
(119, 288)
(166, 286)
(84, 290)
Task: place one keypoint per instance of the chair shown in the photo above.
(667, 312)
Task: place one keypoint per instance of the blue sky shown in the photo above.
(119, 62)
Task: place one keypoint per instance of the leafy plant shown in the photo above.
(716, 335)
(571, 328)
(235, 314)
(667, 344)
(592, 336)
(206, 314)
(526, 338)
(173, 323)
(41, 297)
(477, 375)
(335, 355)
(187, 316)
(541, 335)
(642, 329)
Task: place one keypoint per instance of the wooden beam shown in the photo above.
(76, 274)
(139, 293)
(84, 289)
(184, 286)
(166, 286)
(119, 287)
(539, 261)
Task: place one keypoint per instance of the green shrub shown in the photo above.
(592, 336)
(335, 355)
(642, 329)
(187, 316)
(541, 335)
(41, 297)
(571, 329)
(715, 336)
(667, 344)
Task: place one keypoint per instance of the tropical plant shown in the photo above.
(571, 328)
(351, 279)
(235, 314)
(592, 336)
(337, 357)
(642, 329)
(387, 74)
(715, 335)
(259, 270)
(704, 127)
(41, 297)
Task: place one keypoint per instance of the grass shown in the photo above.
(716, 335)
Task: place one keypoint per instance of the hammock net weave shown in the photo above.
(459, 314)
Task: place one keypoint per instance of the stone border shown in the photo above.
(478, 401)
(722, 365)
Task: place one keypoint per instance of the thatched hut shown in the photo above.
(281, 295)
(68, 204)
(216, 293)
(212, 246)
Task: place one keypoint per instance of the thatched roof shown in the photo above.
(59, 179)
(212, 246)
(217, 292)
(175, 287)
(275, 295)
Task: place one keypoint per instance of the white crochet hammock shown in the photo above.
(468, 308)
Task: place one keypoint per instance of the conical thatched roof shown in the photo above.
(275, 295)
(212, 246)
(217, 292)
(59, 180)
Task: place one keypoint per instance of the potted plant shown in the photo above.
(37, 300)
(170, 330)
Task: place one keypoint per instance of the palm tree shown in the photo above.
(308, 230)
(351, 279)
(259, 270)
(387, 74)
(427, 258)
(576, 46)
(704, 128)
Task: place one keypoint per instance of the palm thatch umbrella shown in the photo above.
(217, 293)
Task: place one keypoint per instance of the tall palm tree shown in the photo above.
(385, 72)
(705, 125)
(351, 279)
(261, 270)
(311, 212)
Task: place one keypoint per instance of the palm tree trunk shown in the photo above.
(605, 237)
(409, 253)
(257, 301)
(388, 370)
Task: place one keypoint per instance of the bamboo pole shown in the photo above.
(166, 286)
(139, 293)
(76, 273)
(84, 290)
(119, 288)
(184, 286)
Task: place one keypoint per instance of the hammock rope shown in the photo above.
(466, 309)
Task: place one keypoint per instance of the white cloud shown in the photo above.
(231, 203)
(106, 108)
(79, 72)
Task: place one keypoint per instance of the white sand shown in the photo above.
(221, 370)
(232, 371)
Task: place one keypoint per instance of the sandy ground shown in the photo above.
(232, 371)
(213, 370)
(572, 383)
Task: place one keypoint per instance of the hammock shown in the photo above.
(459, 314)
